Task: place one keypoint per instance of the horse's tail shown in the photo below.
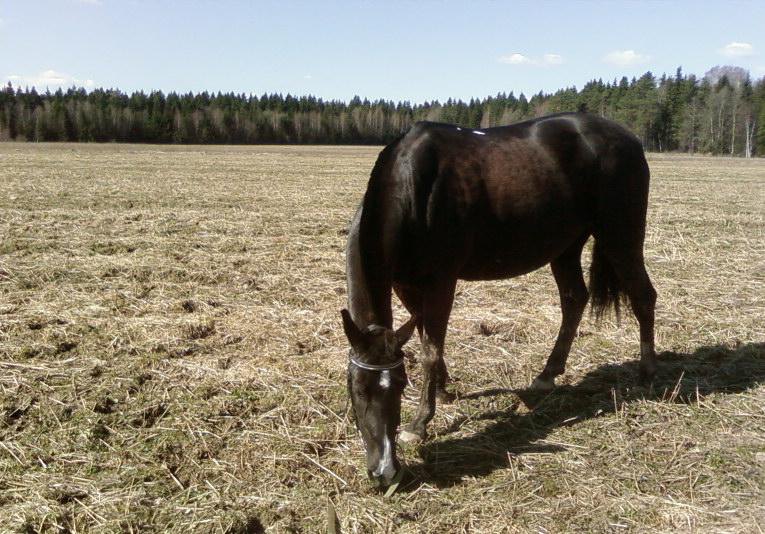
(605, 289)
(620, 218)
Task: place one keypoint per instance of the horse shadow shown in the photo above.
(681, 378)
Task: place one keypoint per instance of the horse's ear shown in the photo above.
(406, 330)
(352, 332)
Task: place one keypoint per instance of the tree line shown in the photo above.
(721, 113)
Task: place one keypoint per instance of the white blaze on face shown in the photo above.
(479, 133)
(386, 458)
(385, 379)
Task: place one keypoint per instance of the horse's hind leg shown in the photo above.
(620, 236)
(567, 270)
(643, 301)
(436, 308)
(637, 285)
(411, 298)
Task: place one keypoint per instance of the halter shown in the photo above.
(374, 367)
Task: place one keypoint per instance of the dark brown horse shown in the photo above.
(445, 203)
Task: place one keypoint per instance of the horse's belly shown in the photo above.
(497, 255)
(497, 268)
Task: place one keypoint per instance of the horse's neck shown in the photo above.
(366, 301)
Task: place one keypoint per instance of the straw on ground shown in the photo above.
(172, 360)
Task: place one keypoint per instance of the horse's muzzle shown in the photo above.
(384, 480)
(384, 474)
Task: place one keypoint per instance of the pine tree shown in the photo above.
(722, 113)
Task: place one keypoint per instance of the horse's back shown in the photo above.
(498, 202)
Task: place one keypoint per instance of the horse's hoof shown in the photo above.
(409, 437)
(542, 384)
(445, 397)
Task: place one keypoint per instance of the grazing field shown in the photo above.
(171, 359)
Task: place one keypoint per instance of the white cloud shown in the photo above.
(625, 58)
(515, 59)
(49, 78)
(735, 49)
(307, 77)
(90, 2)
(520, 59)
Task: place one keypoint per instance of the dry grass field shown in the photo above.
(171, 359)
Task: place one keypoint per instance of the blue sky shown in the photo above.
(394, 50)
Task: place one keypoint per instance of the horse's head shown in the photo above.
(376, 380)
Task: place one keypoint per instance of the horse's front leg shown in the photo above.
(437, 306)
(412, 299)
